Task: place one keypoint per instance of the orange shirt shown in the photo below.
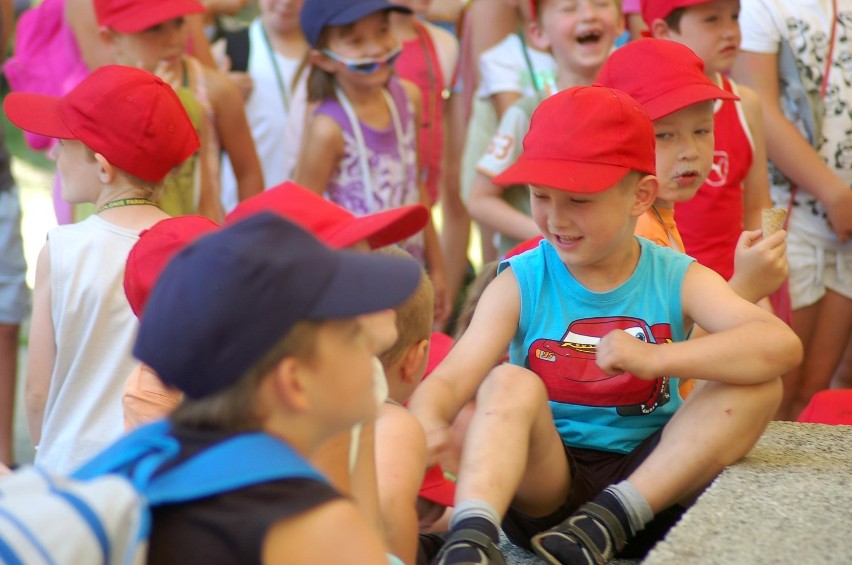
(658, 225)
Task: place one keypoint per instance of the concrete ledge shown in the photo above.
(789, 501)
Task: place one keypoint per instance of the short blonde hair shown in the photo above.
(148, 189)
(235, 408)
(415, 316)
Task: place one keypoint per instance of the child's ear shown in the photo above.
(288, 386)
(660, 29)
(538, 38)
(106, 170)
(646, 193)
(317, 59)
(414, 361)
(106, 36)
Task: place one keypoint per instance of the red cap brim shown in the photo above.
(571, 176)
(143, 16)
(37, 113)
(676, 99)
(382, 228)
(438, 489)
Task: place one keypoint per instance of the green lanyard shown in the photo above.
(285, 98)
(539, 80)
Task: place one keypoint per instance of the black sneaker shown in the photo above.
(590, 536)
(469, 547)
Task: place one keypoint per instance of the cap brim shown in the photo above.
(37, 113)
(366, 282)
(141, 17)
(382, 228)
(363, 9)
(679, 98)
(571, 176)
(438, 489)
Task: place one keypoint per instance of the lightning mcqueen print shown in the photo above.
(571, 375)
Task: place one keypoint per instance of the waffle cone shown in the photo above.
(772, 220)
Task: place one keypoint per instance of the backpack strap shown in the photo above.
(238, 462)
(151, 442)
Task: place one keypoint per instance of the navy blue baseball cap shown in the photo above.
(223, 302)
(317, 14)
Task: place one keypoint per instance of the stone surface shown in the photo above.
(789, 501)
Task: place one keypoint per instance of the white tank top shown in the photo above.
(94, 329)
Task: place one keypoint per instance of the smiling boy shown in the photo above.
(577, 479)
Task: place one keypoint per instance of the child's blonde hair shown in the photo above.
(148, 189)
(415, 316)
(235, 408)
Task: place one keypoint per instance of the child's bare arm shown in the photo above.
(756, 184)
(335, 532)
(234, 133)
(80, 15)
(745, 345)
(786, 146)
(503, 100)
(432, 248)
(487, 206)
(321, 151)
(437, 401)
(42, 348)
(400, 464)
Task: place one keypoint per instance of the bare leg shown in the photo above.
(843, 375)
(512, 450)
(717, 425)
(8, 378)
(824, 350)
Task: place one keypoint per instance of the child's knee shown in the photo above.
(513, 385)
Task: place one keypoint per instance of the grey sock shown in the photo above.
(638, 510)
(474, 509)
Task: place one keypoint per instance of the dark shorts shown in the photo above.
(591, 472)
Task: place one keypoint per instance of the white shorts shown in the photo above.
(14, 293)
(817, 264)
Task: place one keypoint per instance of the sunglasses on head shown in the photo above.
(365, 66)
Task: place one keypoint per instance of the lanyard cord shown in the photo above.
(363, 161)
(431, 57)
(824, 86)
(535, 78)
(285, 98)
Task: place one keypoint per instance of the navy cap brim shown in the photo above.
(355, 289)
(363, 9)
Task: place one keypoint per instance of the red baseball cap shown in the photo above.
(584, 139)
(155, 248)
(664, 76)
(334, 225)
(437, 488)
(439, 345)
(660, 9)
(133, 16)
(128, 115)
(523, 247)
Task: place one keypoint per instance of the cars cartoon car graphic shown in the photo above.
(571, 375)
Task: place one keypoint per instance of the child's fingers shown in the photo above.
(749, 238)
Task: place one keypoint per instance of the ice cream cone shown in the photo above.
(772, 220)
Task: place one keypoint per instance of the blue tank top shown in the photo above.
(560, 324)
